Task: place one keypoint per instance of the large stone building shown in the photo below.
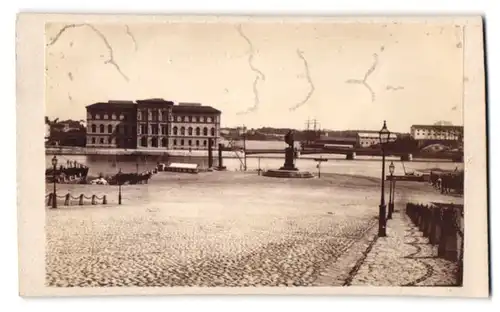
(152, 124)
(437, 132)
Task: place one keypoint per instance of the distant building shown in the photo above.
(152, 123)
(437, 132)
(367, 139)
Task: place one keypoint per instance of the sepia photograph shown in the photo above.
(237, 153)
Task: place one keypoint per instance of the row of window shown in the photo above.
(109, 141)
(155, 116)
(194, 119)
(154, 142)
(110, 129)
(112, 116)
(155, 129)
(163, 142)
(197, 131)
(190, 143)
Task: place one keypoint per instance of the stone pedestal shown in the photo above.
(289, 160)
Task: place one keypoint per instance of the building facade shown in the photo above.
(154, 120)
(152, 124)
(437, 132)
(112, 124)
(193, 125)
(367, 139)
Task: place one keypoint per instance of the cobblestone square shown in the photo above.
(216, 229)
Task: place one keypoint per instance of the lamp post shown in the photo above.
(384, 135)
(245, 145)
(391, 190)
(54, 196)
(119, 188)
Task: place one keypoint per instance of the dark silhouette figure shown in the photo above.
(289, 139)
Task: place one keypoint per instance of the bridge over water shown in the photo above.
(351, 153)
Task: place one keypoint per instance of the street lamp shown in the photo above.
(391, 190)
(384, 135)
(54, 197)
(119, 187)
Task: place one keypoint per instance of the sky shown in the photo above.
(264, 74)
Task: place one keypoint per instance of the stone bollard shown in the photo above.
(428, 221)
(66, 200)
(433, 226)
(104, 201)
(93, 200)
(444, 235)
(80, 202)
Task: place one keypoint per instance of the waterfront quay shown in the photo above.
(219, 229)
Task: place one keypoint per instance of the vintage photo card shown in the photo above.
(251, 155)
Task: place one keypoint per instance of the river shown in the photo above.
(365, 166)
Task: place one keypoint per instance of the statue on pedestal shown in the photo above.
(289, 153)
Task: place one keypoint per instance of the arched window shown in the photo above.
(179, 118)
(175, 130)
(175, 142)
(204, 142)
(186, 119)
(101, 140)
(209, 119)
(201, 119)
(189, 142)
(110, 140)
(182, 142)
(213, 142)
(183, 131)
(93, 140)
(205, 131)
(94, 129)
(154, 142)
(110, 128)
(197, 143)
(190, 131)
(144, 141)
(197, 130)
(212, 132)
(164, 142)
(101, 128)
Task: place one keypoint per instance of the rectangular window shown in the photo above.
(154, 129)
(144, 129)
(164, 129)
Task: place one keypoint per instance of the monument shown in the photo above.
(288, 170)
(289, 153)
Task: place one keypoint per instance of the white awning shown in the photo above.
(183, 166)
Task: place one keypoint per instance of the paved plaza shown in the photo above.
(220, 229)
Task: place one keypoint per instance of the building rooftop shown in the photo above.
(112, 104)
(182, 108)
(437, 126)
(187, 109)
(373, 134)
(158, 102)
